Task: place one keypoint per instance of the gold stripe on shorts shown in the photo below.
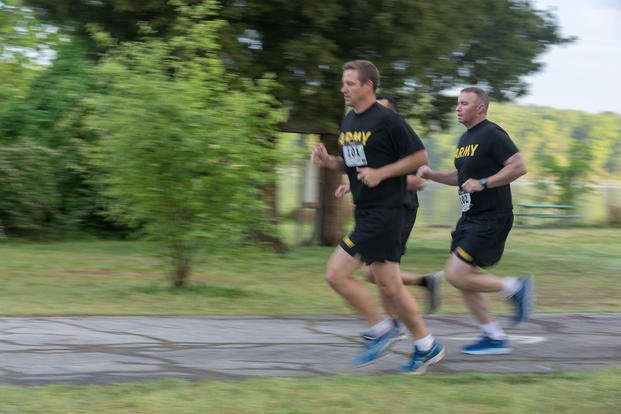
(464, 254)
(348, 242)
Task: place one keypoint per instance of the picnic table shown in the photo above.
(552, 211)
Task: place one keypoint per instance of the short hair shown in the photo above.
(480, 93)
(392, 103)
(366, 71)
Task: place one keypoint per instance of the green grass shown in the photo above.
(586, 392)
(577, 270)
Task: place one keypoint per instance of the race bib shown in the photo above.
(354, 156)
(466, 202)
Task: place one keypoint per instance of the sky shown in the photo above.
(585, 74)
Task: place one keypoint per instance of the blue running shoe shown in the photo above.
(377, 348)
(402, 332)
(420, 360)
(488, 346)
(523, 299)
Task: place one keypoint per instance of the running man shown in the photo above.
(378, 150)
(430, 282)
(486, 162)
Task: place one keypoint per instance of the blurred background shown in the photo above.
(190, 122)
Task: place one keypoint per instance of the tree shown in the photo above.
(45, 112)
(28, 197)
(182, 151)
(27, 190)
(423, 48)
(23, 39)
(117, 17)
(570, 174)
(565, 149)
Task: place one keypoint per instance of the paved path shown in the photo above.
(106, 349)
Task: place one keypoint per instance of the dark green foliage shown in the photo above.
(28, 197)
(117, 17)
(47, 115)
(183, 152)
(422, 47)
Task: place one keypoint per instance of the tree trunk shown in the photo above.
(181, 258)
(269, 195)
(330, 211)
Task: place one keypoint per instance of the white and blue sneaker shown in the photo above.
(523, 299)
(376, 348)
(488, 346)
(402, 332)
(421, 360)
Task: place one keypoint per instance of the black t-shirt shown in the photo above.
(374, 138)
(481, 152)
(411, 200)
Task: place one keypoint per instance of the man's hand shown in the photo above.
(415, 183)
(472, 185)
(341, 190)
(369, 176)
(424, 172)
(320, 156)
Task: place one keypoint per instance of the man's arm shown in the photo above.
(414, 183)
(448, 178)
(321, 158)
(514, 167)
(371, 177)
(341, 190)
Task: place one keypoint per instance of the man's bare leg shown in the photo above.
(431, 282)
(474, 284)
(339, 274)
(411, 279)
(390, 311)
(426, 350)
(408, 278)
(387, 276)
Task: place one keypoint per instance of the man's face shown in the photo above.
(468, 108)
(353, 91)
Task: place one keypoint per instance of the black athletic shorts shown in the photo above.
(480, 240)
(410, 219)
(377, 234)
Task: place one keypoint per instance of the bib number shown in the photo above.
(354, 155)
(466, 201)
